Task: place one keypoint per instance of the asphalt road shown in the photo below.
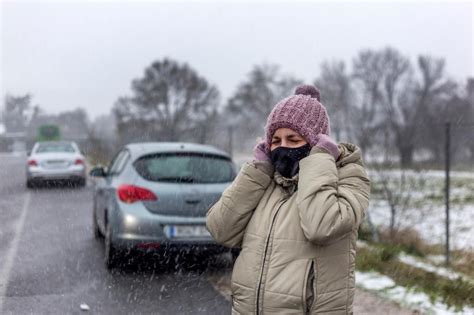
(51, 264)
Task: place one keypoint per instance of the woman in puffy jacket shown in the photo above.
(294, 212)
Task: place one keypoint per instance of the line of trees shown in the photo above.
(395, 107)
(391, 107)
(22, 120)
(170, 102)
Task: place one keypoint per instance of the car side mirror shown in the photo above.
(98, 171)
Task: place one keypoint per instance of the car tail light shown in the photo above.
(79, 162)
(32, 163)
(131, 194)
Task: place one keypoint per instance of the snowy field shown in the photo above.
(425, 211)
(385, 287)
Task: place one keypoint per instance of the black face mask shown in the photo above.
(286, 160)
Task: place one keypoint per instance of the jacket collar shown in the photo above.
(350, 153)
(283, 181)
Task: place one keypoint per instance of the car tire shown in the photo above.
(29, 184)
(111, 253)
(95, 226)
(81, 182)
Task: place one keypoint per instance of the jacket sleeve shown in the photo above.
(228, 218)
(331, 201)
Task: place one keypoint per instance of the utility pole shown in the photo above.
(447, 167)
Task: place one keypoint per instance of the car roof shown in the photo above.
(144, 148)
(55, 142)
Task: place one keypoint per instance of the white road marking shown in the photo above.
(11, 254)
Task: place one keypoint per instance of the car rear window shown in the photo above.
(185, 167)
(55, 147)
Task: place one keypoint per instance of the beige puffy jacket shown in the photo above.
(298, 236)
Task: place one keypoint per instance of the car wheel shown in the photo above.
(112, 255)
(81, 182)
(29, 184)
(95, 226)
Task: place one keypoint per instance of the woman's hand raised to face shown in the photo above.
(260, 153)
(329, 145)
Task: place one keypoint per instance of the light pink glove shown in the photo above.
(259, 152)
(326, 143)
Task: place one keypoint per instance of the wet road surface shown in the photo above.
(51, 264)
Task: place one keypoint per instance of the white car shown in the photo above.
(55, 161)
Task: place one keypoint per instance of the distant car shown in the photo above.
(54, 161)
(156, 196)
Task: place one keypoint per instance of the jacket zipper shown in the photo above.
(309, 286)
(267, 241)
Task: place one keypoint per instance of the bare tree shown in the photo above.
(416, 103)
(455, 106)
(74, 124)
(264, 86)
(398, 189)
(402, 98)
(169, 101)
(101, 142)
(255, 97)
(457, 111)
(338, 96)
(367, 111)
(15, 115)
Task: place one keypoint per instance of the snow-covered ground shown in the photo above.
(426, 212)
(431, 225)
(442, 271)
(386, 288)
(430, 263)
(439, 174)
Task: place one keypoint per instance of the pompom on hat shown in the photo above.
(301, 112)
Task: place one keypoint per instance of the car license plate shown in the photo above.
(186, 231)
(57, 164)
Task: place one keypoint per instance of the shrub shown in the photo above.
(406, 239)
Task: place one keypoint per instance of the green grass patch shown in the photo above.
(463, 262)
(461, 182)
(383, 259)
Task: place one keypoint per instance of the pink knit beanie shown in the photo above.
(302, 113)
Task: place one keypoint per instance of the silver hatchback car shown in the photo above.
(53, 161)
(156, 196)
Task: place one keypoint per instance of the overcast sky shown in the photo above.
(86, 53)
